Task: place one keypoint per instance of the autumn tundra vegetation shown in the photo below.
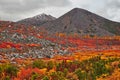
(77, 57)
(62, 49)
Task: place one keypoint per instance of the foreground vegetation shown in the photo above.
(95, 66)
(33, 54)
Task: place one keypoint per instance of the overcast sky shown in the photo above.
(15, 10)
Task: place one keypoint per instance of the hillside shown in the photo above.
(83, 22)
(37, 20)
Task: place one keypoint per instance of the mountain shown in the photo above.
(37, 20)
(83, 22)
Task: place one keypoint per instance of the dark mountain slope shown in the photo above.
(83, 22)
(37, 20)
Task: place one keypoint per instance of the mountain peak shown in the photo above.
(39, 15)
(75, 9)
(37, 20)
(43, 14)
(83, 22)
(43, 17)
(79, 11)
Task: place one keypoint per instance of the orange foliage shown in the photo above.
(10, 45)
(26, 73)
(33, 45)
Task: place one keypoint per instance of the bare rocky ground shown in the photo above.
(47, 48)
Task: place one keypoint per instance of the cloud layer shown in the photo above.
(17, 9)
(112, 9)
(19, 6)
(14, 9)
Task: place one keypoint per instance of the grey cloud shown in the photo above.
(22, 7)
(114, 3)
(112, 9)
(18, 6)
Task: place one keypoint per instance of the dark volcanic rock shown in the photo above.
(83, 22)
